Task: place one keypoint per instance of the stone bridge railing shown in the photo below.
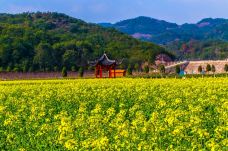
(191, 67)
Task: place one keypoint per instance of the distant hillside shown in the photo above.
(175, 37)
(49, 41)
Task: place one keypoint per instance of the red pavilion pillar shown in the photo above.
(114, 72)
(109, 72)
(100, 72)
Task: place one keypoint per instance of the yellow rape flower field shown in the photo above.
(114, 114)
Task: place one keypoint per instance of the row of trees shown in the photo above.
(146, 69)
(211, 68)
(161, 69)
(80, 72)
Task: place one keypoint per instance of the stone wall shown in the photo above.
(192, 67)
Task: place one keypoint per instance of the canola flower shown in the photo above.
(114, 114)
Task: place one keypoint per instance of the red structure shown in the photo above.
(105, 64)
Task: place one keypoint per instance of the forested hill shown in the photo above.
(49, 41)
(207, 39)
(163, 32)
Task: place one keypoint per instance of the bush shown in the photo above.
(90, 68)
(146, 69)
(31, 69)
(56, 68)
(208, 68)
(213, 69)
(178, 69)
(81, 72)
(16, 69)
(200, 69)
(226, 68)
(73, 68)
(136, 67)
(161, 69)
(129, 70)
(8, 69)
(64, 72)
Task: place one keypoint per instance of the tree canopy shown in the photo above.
(50, 41)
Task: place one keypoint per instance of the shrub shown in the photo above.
(8, 69)
(73, 68)
(213, 69)
(81, 72)
(146, 69)
(200, 69)
(64, 72)
(129, 70)
(56, 68)
(208, 68)
(161, 69)
(226, 68)
(136, 67)
(178, 69)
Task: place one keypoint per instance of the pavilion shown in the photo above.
(105, 64)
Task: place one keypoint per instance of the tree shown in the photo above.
(213, 69)
(129, 70)
(226, 68)
(25, 66)
(208, 68)
(200, 69)
(44, 57)
(81, 71)
(39, 42)
(5, 55)
(146, 69)
(56, 68)
(136, 67)
(69, 58)
(178, 69)
(73, 69)
(161, 69)
(64, 72)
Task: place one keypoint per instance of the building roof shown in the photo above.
(104, 61)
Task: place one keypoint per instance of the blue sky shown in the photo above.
(178, 11)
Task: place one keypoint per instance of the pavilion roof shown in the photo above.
(104, 60)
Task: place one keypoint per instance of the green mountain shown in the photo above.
(49, 41)
(163, 32)
(205, 35)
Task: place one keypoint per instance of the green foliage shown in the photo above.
(129, 70)
(213, 69)
(195, 41)
(90, 68)
(161, 68)
(136, 67)
(81, 72)
(146, 69)
(208, 68)
(56, 68)
(200, 69)
(226, 68)
(73, 68)
(177, 69)
(45, 41)
(64, 72)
